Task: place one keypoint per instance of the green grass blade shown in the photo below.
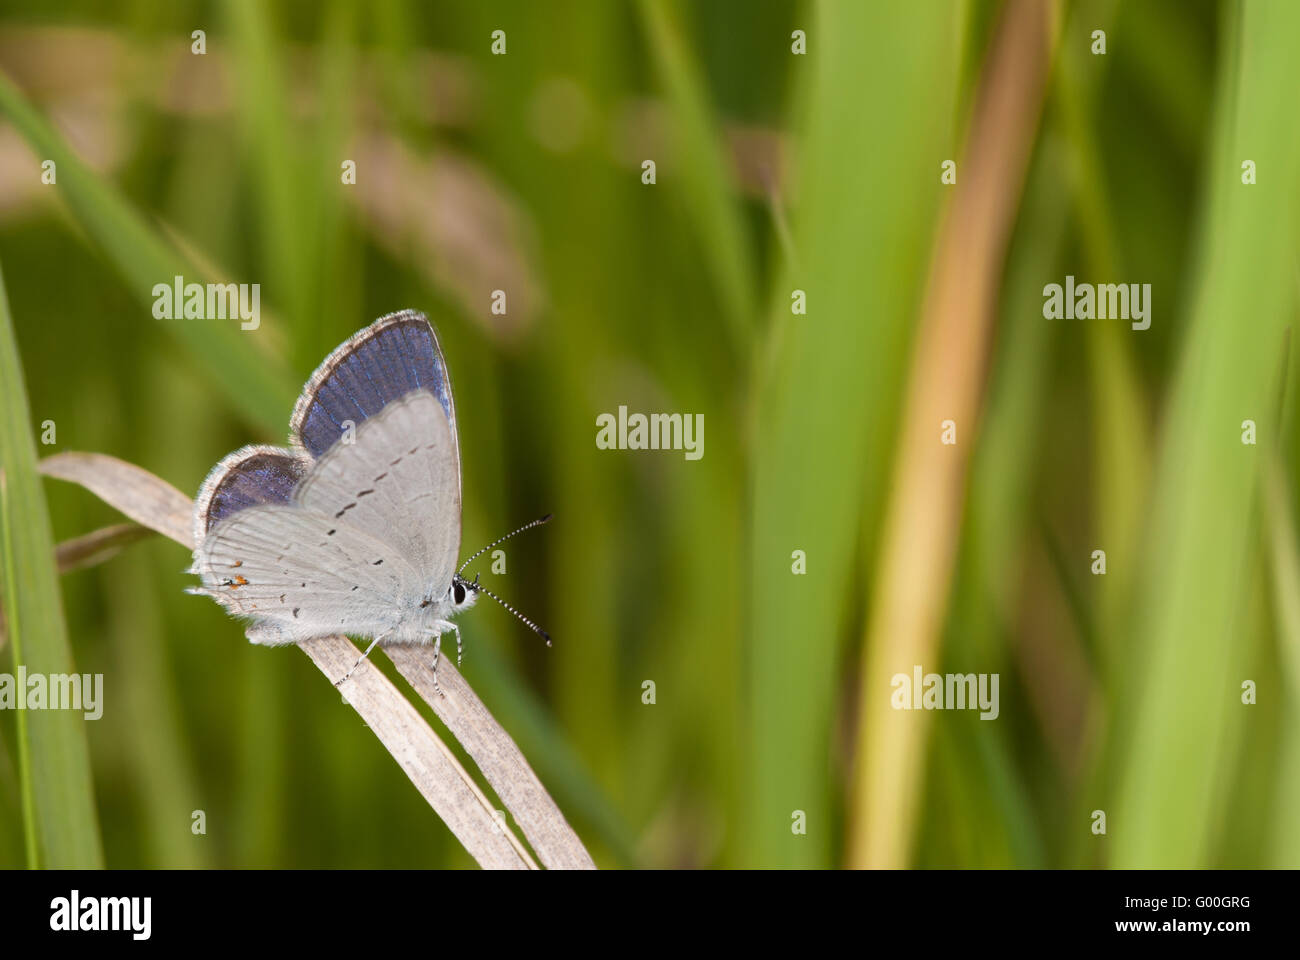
(27, 800)
(251, 378)
(706, 181)
(60, 822)
(280, 180)
(826, 411)
(1191, 622)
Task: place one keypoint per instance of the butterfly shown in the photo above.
(355, 527)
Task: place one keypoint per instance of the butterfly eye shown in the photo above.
(458, 594)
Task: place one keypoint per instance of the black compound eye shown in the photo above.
(458, 594)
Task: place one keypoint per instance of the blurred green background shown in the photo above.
(774, 171)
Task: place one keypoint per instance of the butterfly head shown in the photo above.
(462, 593)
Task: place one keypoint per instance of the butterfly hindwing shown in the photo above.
(299, 573)
(250, 476)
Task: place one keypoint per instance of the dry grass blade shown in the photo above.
(453, 221)
(135, 492)
(924, 514)
(498, 757)
(426, 760)
(97, 546)
(430, 764)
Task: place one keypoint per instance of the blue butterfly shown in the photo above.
(355, 528)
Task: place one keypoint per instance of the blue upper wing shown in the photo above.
(384, 362)
(250, 476)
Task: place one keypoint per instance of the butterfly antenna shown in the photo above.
(526, 526)
(479, 588)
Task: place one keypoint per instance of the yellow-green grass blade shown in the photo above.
(828, 401)
(996, 534)
(1284, 567)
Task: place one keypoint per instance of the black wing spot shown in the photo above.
(345, 510)
(378, 562)
(365, 493)
(381, 476)
(330, 533)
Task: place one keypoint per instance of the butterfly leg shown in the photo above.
(437, 652)
(442, 626)
(339, 683)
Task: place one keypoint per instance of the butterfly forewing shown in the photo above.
(398, 482)
(384, 362)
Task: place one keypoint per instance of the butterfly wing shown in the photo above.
(371, 529)
(250, 476)
(384, 362)
(347, 542)
(399, 482)
(299, 573)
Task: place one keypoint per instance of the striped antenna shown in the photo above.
(479, 588)
(526, 526)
